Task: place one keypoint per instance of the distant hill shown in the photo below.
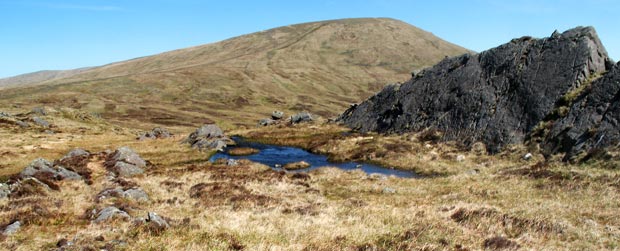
(38, 77)
(321, 67)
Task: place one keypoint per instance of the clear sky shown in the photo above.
(64, 34)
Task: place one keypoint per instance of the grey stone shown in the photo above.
(109, 213)
(125, 162)
(74, 153)
(497, 97)
(22, 124)
(460, 158)
(528, 156)
(207, 138)
(301, 117)
(232, 162)
(266, 122)
(39, 110)
(12, 228)
(5, 190)
(40, 122)
(41, 165)
(156, 133)
(124, 169)
(156, 220)
(136, 194)
(388, 190)
(277, 115)
(4, 114)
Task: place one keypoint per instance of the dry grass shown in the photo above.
(482, 202)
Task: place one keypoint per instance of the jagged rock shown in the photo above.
(301, 117)
(109, 213)
(5, 190)
(40, 122)
(592, 121)
(41, 165)
(157, 222)
(496, 97)
(125, 162)
(208, 137)
(266, 122)
(12, 228)
(156, 133)
(277, 115)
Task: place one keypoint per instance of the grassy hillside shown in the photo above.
(321, 67)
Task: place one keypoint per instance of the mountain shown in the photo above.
(507, 95)
(321, 67)
(40, 76)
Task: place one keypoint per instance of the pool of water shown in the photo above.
(273, 155)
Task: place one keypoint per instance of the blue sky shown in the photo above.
(65, 34)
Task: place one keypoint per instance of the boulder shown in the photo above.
(75, 153)
(497, 97)
(28, 187)
(39, 111)
(22, 124)
(156, 221)
(301, 117)
(266, 122)
(156, 133)
(41, 166)
(277, 115)
(136, 194)
(208, 137)
(125, 162)
(40, 122)
(110, 213)
(12, 228)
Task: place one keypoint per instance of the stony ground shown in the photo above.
(467, 200)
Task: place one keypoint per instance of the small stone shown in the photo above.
(5, 190)
(388, 190)
(136, 194)
(297, 165)
(301, 117)
(12, 228)
(39, 111)
(277, 115)
(460, 158)
(266, 122)
(109, 213)
(41, 122)
(22, 124)
(232, 162)
(528, 156)
(156, 221)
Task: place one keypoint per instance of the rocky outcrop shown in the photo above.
(136, 194)
(125, 162)
(497, 97)
(156, 133)
(208, 137)
(43, 168)
(587, 120)
(110, 213)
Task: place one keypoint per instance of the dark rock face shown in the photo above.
(496, 97)
(592, 121)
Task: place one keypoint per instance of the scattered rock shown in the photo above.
(6, 115)
(277, 115)
(497, 97)
(40, 122)
(297, 165)
(22, 124)
(232, 162)
(12, 228)
(156, 133)
(5, 190)
(28, 187)
(301, 117)
(208, 137)
(460, 158)
(39, 111)
(388, 190)
(266, 122)
(136, 194)
(157, 222)
(110, 213)
(43, 167)
(125, 162)
(528, 156)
